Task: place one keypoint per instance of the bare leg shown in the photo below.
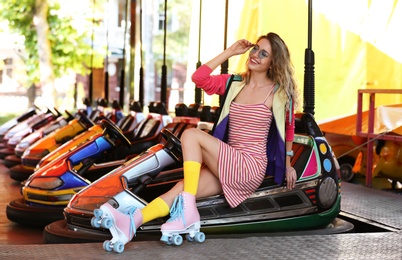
(198, 147)
(208, 185)
(201, 147)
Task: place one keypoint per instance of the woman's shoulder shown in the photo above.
(279, 91)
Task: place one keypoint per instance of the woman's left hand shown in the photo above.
(290, 177)
(241, 46)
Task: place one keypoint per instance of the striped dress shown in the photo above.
(243, 160)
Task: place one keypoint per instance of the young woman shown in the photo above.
(253, 138)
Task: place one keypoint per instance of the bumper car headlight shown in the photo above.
(27, 151)
(35, 153)
(47, 183)
(327, 192)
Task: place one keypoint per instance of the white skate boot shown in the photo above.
(122, 225)
(184, 219)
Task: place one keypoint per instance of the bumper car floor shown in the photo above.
(377, 207)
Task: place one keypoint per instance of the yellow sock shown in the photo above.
(191, 176)
(155, 209)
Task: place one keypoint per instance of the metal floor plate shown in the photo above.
(345, 246)
(380, 207)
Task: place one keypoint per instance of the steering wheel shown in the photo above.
(85, 119)
(69, 115)
(53, 111)
(114, 131)
(172, 143)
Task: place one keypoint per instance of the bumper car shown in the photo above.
(65, 172)
(48, 190)
(79, 129)
(386, 165)
(21, 145)
(313, 204)
(116, 114)
(352, 149)
(345, 152)
(129, 126)
(4, 128)
(23, 129)
(389, 164)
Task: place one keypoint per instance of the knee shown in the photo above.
(188, 134)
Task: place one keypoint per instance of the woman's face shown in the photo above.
(260, 56)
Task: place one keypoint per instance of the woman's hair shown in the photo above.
(281, 70)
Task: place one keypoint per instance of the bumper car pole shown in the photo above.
(309, 78)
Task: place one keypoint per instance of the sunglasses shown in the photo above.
(261, 53)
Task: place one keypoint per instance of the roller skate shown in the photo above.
(184, 219)
(122, 225)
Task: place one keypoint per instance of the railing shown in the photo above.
(370, 135)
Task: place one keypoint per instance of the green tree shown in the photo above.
(177, 38)
(53, 46)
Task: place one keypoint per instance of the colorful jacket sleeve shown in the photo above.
(282, 130)
(211, 84)
(290, 124)
(275, 154)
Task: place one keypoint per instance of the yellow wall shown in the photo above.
(383, 72)
(350, 53)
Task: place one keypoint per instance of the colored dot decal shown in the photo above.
(327, 165)
(323, 148)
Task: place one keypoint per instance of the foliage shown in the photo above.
(177, 38)
(71, 49)
(6, 117)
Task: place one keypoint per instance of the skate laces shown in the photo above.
(177, 210)
(133, 228)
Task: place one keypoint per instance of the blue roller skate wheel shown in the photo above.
(118, 247)
(107, 246)
(177, 240)
(98, 213)
(189, 238)
(95, 222)
(106, 223)
(199, 237)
